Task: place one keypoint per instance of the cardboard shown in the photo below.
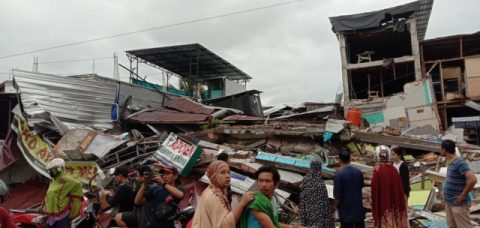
(451, 72)
(473, 85)
(178, 152)
(472, 67)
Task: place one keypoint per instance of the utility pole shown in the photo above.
(35, 64)
(116, 73)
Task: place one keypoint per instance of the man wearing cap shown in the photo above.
(122, 196)
(163, 190)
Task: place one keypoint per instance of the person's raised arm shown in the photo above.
(140, 197)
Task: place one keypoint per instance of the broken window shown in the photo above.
(381, 44)
(380, 81)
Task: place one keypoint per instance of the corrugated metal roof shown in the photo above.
(71, 100)
(243, 118)
(180, 59)
(184, 104)
(329, 108)
(165, 116)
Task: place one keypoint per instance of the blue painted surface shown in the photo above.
(297, 162)
(426, 91)
(373, 118)
(159, 87)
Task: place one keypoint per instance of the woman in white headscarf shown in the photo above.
(388, 201)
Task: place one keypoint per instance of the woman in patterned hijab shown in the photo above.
(388, 201)
(315, 206)
(213, 209)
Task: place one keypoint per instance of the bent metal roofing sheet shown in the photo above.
(71, 100)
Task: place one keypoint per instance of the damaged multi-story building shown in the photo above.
(398, 79)
(453, 64)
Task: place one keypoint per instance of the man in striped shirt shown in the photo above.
(459, 182)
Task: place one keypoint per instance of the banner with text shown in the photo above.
(38, 153)
(179, 153)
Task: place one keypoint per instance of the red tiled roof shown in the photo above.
(184, 104)
(166, 116)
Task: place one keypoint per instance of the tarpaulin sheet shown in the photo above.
(371, 19)
(10, 152)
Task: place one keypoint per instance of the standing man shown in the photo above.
(347, 190)
(263, 210)
(123, 196)
(164, 190)
(140, 216)
(460, 181)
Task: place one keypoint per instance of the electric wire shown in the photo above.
(153, 28)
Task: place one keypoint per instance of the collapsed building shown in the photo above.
(398, 79)
(409, 91)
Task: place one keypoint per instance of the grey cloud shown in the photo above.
(290, 50)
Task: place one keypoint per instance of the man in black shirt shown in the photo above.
(123, 196)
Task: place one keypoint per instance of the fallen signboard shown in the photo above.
(38, 154)
(179, 153)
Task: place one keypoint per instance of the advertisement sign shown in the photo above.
(179, 153)
(83, 170)
(38, 153)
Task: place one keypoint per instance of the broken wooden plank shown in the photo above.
(410, 143)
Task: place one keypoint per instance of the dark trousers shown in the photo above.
(62, 223)
(359, 224)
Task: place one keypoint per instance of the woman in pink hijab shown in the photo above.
(213, 209)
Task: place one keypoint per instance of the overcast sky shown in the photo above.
(290, 50)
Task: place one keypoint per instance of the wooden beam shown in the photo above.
(452, 59)
(381, 79)
(410, 143)
(461, 46)
(442, 86)
(422, 60)
(431, 68)
(402, 59)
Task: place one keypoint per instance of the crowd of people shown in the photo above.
(153, 199)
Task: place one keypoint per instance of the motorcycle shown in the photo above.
(91, 213)
(28, 218)
(184, 216)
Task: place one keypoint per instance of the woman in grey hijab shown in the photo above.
(315, 206)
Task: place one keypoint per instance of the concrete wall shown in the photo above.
(232, 87)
